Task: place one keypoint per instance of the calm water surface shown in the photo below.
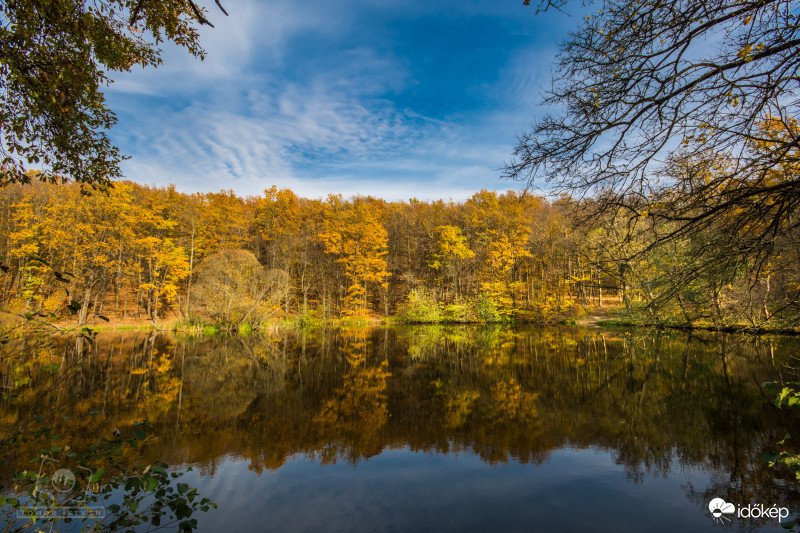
(443, 428)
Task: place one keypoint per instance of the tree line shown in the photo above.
(152, 253)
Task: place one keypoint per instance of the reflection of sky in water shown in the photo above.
(660, 425)
(401, 490)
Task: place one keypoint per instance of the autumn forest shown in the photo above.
(149, 254)
(152, 253)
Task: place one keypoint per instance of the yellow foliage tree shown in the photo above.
(356, 236)
(451, 249)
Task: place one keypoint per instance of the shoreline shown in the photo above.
(608, 318)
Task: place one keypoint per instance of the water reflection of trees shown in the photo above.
(657, 401)
(351, 420)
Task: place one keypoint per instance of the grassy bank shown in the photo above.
(606, 317)
(620, 318)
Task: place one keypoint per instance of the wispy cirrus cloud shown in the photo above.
(340, 97)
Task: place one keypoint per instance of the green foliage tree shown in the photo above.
(421, 306)
(789, 396)
(55, 59)
(485, 309)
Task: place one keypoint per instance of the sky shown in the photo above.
(398, 100)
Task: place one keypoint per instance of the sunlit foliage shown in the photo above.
(151, 254)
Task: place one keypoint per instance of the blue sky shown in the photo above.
(392, 99)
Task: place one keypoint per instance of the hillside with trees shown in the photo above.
(151, 254)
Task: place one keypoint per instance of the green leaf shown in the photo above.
(770, 457)
(182, 510)
(96, 476)
(141, 435)
(150, 484)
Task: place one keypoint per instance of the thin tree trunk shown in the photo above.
(191, 269)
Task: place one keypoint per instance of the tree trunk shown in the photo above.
(191, 269)
(83, 315)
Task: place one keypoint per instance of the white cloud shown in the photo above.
(313, 141)
(255, 31)
(256, 113)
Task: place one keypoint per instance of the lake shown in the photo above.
(431, 428)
